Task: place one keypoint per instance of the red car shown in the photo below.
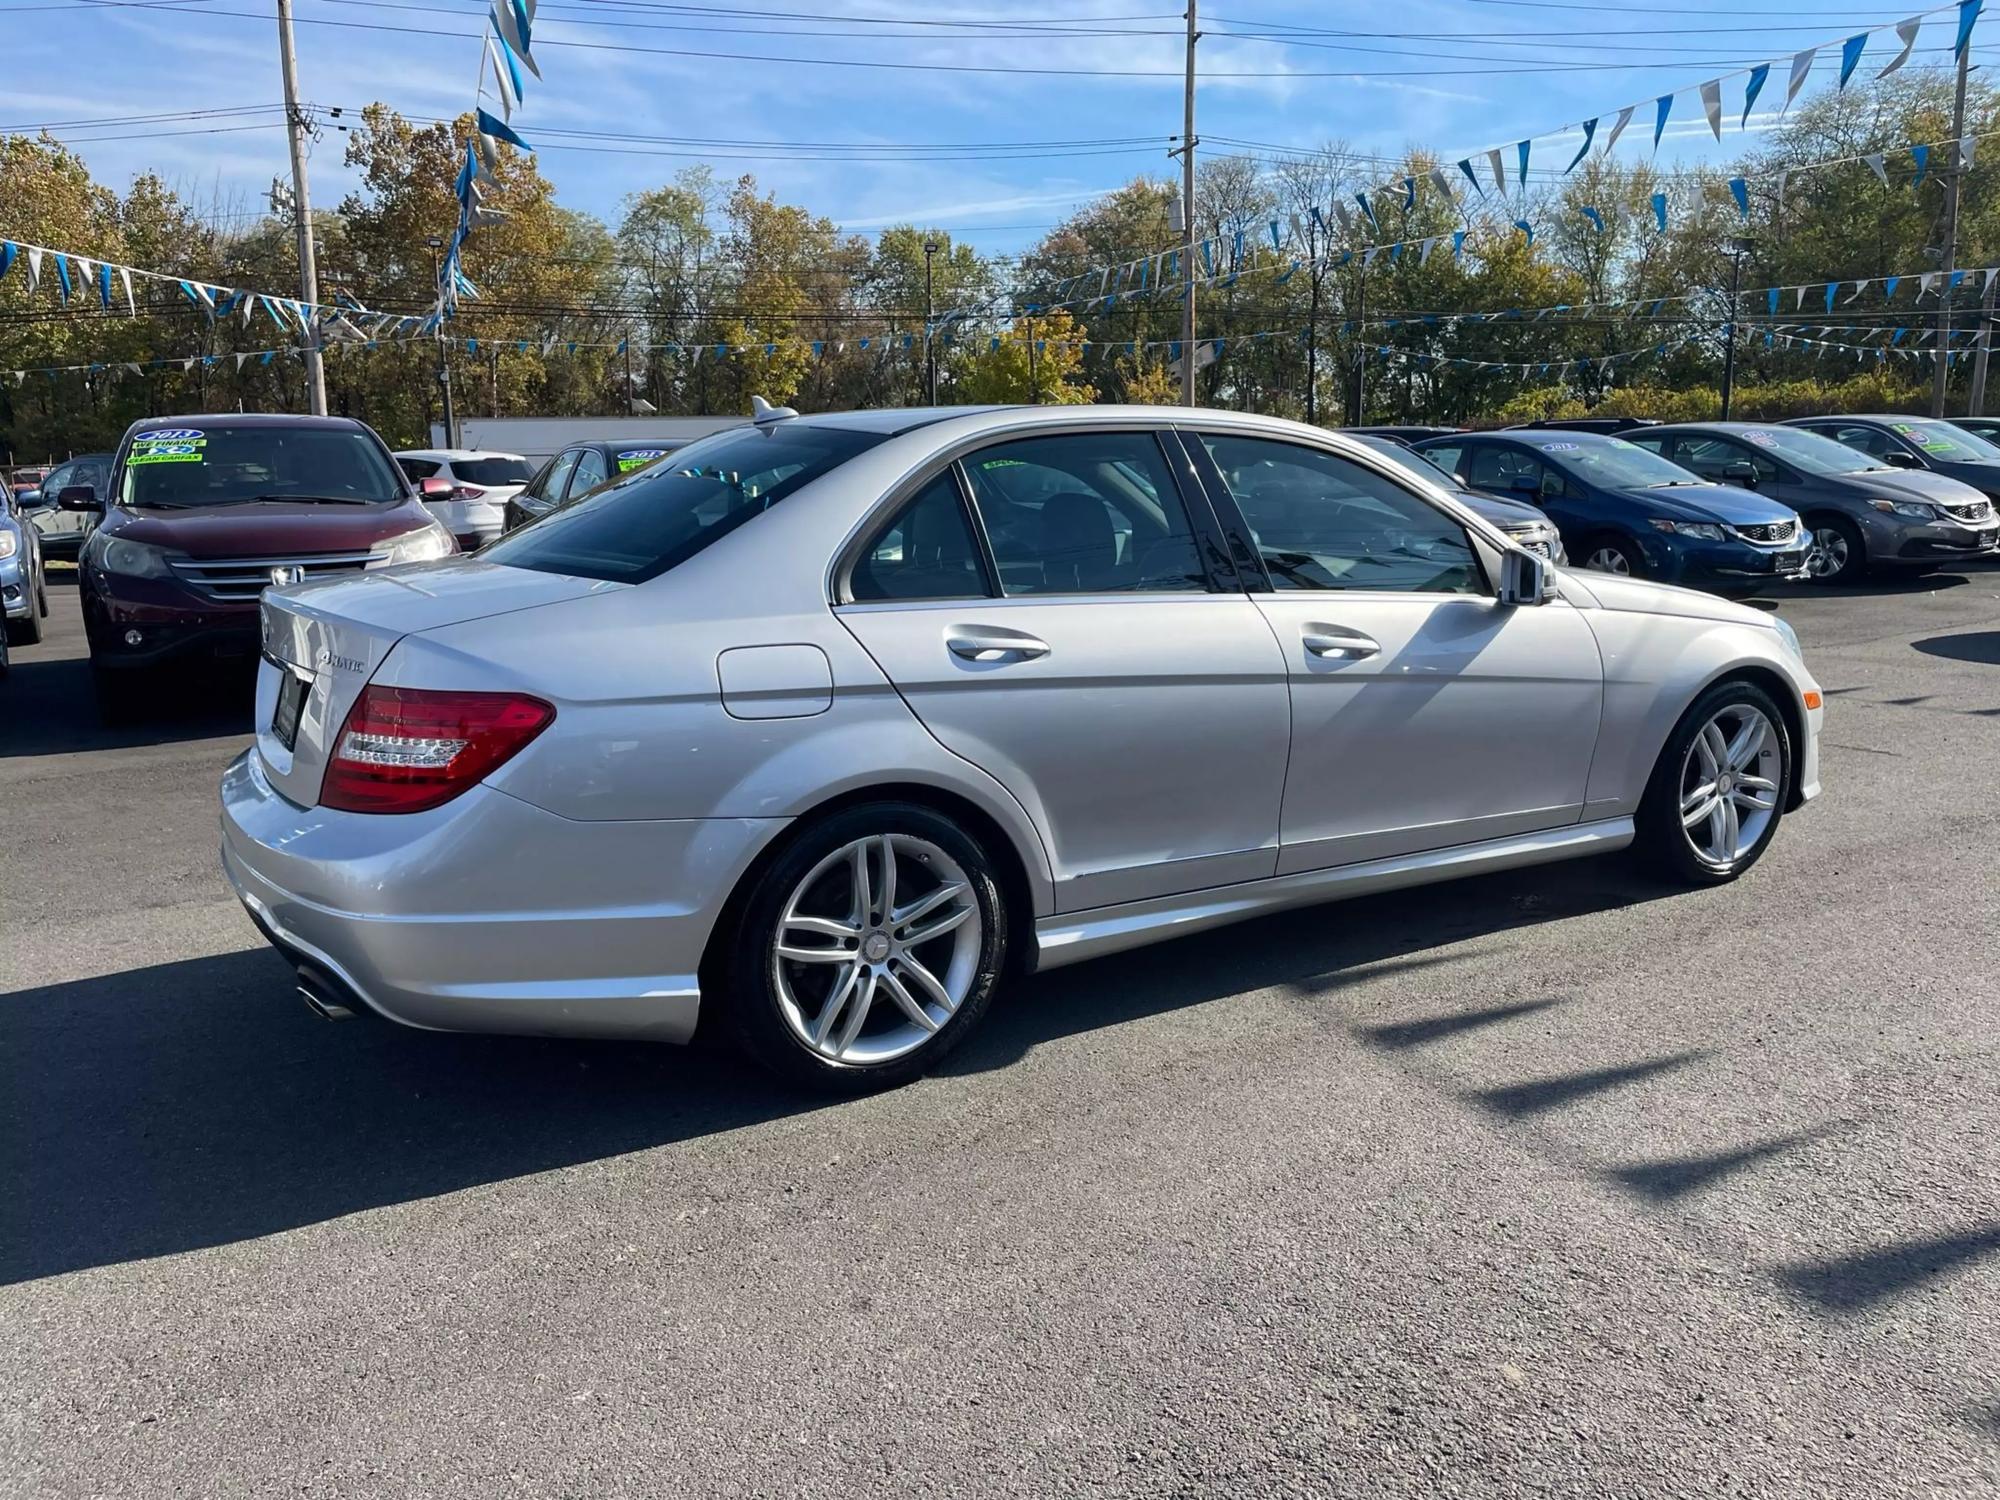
(202, 514)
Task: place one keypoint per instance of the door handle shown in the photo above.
(1338, 641)
(990, 643)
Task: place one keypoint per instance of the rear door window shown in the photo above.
(419, 468)
(1085, 513)
(591, 471)
(927, 552)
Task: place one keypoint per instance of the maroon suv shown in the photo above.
(202, 514)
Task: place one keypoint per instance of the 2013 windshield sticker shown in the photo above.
(1560, 447)
(168, 445)
(1762, 439)
(638, 458)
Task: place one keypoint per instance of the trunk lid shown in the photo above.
(332, 636)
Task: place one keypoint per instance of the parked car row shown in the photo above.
(1822, 498)
(24, 590)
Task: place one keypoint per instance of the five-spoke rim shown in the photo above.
(1828, 557)
(876, 949)
(1609, 560)
(1729, 785)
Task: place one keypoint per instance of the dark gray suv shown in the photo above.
(1863, 513)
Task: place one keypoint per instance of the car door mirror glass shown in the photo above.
(1895, 458)
(1742, 473)
(79, 497)
(1524, 578)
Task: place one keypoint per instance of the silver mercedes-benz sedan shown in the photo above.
(817, 732)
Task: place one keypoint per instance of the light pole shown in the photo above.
(1739, 246)
(295, 131)
(444, 368)
(931, 248)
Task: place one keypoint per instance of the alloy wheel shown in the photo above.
(876, 948)
(1729, 785)
(1829, 554)
(1609, 560)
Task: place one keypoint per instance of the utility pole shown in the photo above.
(1361, 346)
(1940, 359)
(1976, 404)
(295, 130)
(930, 354)
(1034, 380)
(1187, 216)
(444, 365)
(1739, 246)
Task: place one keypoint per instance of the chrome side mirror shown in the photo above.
(1524, 578)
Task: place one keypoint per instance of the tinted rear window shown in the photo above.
(658, 517)
(493, 470)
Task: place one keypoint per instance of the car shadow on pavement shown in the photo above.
(1309, 953)
(1884, 586)
(198, 1103)
(51, 708)
(1981, 646)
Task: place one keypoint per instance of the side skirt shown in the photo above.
(1072, 937)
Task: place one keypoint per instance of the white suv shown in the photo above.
(481, 485)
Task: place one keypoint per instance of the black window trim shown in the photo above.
(1205, 529)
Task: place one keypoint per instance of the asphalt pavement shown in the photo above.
(1555, 1182)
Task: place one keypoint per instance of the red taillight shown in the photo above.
(407, 749)
(468, 492)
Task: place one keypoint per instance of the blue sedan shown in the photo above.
(1621, 509)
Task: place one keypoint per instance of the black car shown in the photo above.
(1924, 443)
(63, 531)
(578, 469)
(1604, 426)
(1863, 514)
(1985, 427)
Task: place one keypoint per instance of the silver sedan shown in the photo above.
(817, 733)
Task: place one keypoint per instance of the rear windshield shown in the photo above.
(657, 517)
(219, 463)
(493, 470)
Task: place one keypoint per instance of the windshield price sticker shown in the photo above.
(1930, 442)
(1763, 439)
(1560, 447)
(638, 458)
(168, 445)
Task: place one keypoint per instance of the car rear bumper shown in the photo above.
(488, 914)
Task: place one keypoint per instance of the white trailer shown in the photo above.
(544, 437)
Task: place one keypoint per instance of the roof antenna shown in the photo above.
(763, 413)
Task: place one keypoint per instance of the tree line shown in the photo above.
(820, 318)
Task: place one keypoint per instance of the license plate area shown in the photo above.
(290, 707)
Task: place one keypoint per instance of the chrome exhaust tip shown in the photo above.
(320, 1000)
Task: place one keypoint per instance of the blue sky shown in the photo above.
(1438, 73)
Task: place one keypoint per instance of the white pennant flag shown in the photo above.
(239, 360)
(1965, 152)
(1906, 31)
(1346, 216)
(1783, 173)
(1618, 128)
(132, 366)
(1424, 250)
(1798, 298)
(1499, 170)
(1859, 288)
(1443, 184)
(125, 276)
(187, 364)
(1874, 160)
(1927, 282)
(503, 83)
(1801, 65)
(1298, 230)
(1991, 272)
(1711, 105)
(1368, 256)
(34, 268)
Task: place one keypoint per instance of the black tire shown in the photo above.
(120, 696)
(26, 632)
(1662, 840)
(754, 1014)
(1635, 565)
(1843, 538)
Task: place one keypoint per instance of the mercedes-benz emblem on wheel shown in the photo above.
(287, 573)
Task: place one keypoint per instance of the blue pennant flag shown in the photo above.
(1457, 243)
(1409, 197)
(1277, 240)
(472, 346)
(500, 130)
(1968, 12)
(1889, 285)
(1740, 191)
(62, 274)
(9, 251)
(1208, 257)
(1751, 90)
(1522, 149)
(1465, 166)
(1771, 300)
(1660, 211)
(1850, 55)
(1594, 216)
(1660, 123)
(819, 347)
(1831, 288)
(1589, 130)
(1395, 253)
(1526, 228)
(1956, 278)
(104, 284)
(1922, 154)
(1362, 199)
